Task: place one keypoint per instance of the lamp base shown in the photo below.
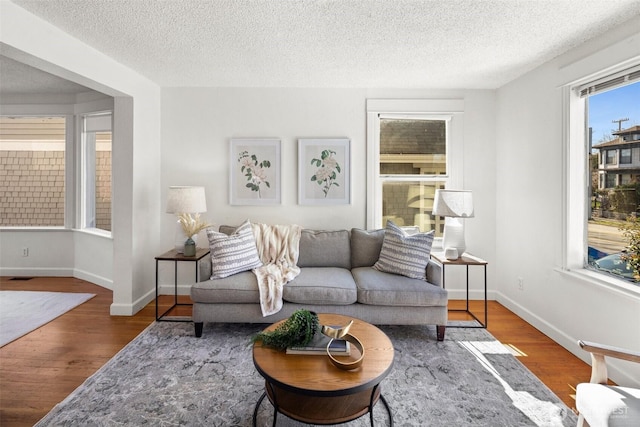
(179, 238)
(453, 236)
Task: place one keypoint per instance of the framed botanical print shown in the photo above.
(254, 167)
(324, 171)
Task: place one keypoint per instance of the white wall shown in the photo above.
(136, 160)
(529, 209)
(56, 258)
(93, 258)
(198, 123)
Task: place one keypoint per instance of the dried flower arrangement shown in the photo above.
(192, 225)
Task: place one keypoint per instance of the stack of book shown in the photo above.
(318, 345)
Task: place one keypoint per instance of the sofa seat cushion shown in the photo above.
(237, 289)
(321, 285)
(380, 288)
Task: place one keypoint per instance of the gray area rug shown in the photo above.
(167, 377)
(25, 311)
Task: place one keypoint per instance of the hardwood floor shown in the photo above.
(40, 369)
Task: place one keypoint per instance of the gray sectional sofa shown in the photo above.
(336, 276)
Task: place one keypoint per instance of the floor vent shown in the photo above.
(21, 278)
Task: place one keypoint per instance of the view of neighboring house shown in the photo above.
(619, 159)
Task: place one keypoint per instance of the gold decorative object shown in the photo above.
(336, 333)
(348, 366)
(343, 334)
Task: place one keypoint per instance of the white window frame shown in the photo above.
(90, 124)
(575, 182)
(448, 109)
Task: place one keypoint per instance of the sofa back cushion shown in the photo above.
(365, 247)
(227, 229)
(325, 249)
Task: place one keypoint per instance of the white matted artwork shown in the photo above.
(254, 171)
(324, 175)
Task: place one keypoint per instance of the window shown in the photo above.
(96, 172)
(410, 148)
(413, 164)
(32, 171)
(596, 243)
(625, 156)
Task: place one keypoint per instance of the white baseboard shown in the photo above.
(136, 306)
(567, 341)
(36, 272)
(93, 278)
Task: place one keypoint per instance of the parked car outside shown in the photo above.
(614, 264)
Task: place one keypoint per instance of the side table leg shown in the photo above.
(486, 310)
(175, 283)
(156, 289)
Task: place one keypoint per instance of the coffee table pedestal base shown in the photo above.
(323, 410)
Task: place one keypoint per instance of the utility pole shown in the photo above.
(619, 122)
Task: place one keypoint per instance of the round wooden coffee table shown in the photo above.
(310, 389)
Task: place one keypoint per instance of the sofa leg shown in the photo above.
(198, 327)
(440, 331)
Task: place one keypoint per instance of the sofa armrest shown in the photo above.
(434, 273)
(204, 268)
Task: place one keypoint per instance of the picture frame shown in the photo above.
(324, 171)
(254, 171)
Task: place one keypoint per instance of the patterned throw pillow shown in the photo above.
(234, 253)
(407, 255)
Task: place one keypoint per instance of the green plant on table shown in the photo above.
(297, 330)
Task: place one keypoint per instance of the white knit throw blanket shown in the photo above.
(278, 248)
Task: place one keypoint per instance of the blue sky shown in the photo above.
(614, 104)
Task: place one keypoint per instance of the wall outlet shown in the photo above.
(520, 284)
(25, 251)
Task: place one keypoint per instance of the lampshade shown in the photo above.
(186, 200)
(453, 203)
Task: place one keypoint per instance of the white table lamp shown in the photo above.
(454, 205)
(185, 200)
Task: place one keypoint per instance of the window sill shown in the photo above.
(95, 232)
(609, 283)
(34, 229)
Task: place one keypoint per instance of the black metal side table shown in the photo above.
(176, 257)
(464, 260)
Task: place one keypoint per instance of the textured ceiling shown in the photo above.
(332, 43)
